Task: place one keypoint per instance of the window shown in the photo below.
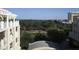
(16, 39)
(11, 32)
(11, 45)
(2, 35)
(16, 28)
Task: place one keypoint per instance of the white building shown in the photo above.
(75, 30)
(9, 31)
(74, 34)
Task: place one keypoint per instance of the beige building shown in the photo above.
(72, 16)
(9, 31)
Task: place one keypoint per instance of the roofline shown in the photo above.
(73, 12)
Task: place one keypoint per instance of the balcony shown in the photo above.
(2, 26)
(16, 23)
(12, 24)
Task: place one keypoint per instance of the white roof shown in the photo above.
(6, 12)
(42, 45)
(74, 12)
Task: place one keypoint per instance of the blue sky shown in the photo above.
(42, 13)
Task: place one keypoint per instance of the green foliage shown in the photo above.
(56, 35)
(56, 31)
(40, 36)
(43, 25)
(26, 38)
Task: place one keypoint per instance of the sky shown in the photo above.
(42, 13)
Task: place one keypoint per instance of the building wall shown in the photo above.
(14, 37)
(71, 17)
(74, 34)
(11, 38)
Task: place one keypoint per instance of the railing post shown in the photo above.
(7, 22)
(2, 24)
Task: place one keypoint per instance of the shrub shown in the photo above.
(40, 36)
(56, 35)
(26, 38)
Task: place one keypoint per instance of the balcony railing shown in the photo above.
(3, 24)
(16, 23)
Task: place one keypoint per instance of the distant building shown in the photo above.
(65, 21)
(72, 16)
(74, 34)
(9, 31)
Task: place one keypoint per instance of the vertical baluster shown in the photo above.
(2, 24)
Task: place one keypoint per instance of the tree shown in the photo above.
(56, 35)
(26, 38)
(40, 36)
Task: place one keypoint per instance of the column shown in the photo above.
(7, 31)
(14, 29)
(2, 24)
(7, 21)
(14, 21)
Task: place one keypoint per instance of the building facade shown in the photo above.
(72, 16)
(74, 34)
(9, 31)
(75, 30)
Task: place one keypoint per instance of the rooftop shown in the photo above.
(46, 45)
(6, 12)
(74, 12)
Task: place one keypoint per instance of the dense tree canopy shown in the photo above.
(42, 25)
(49, 30)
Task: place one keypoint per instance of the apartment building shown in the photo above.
(74, 34)
(9, 31)
(72, 16)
